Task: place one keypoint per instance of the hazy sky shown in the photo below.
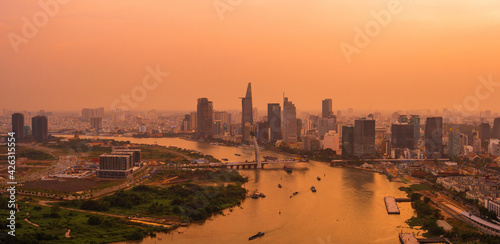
(428, 55)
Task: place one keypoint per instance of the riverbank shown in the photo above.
(353, 191)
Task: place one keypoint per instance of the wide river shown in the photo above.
(348, 206)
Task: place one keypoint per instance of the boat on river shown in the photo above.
(313, 189)
(259, 234)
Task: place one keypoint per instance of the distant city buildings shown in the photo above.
(96, 123)
(88, 113)
(18, 126)
(40, 128)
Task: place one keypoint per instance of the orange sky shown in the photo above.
(91, 52)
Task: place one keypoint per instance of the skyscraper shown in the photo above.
(96, 123)
(484, 132)
(40, 128)
(289, 121)
(433, 136)
(415, 122)
(18, 126)
(326, 124)
(454, 143)
(347, 140)
(274, 121)
(246, 110)
(327, 108)
(194, 121)
(402, 136)
(204, 117)
(496, 128)
(364, 138)
(186, 123)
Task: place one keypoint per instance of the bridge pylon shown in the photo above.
(257, 152)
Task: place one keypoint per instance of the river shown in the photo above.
(348, 206)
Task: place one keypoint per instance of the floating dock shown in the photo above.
(391, 205)
(408, 238)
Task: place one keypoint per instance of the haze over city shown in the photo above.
(230, 121)
(92, 52)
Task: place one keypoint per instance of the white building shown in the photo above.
(494, 147)
(331, 140)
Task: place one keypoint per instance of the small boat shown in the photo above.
(262, 195)
(313, 189)
(279, 185)
(255, 195)
(224, 159)
(237, 154)
(255, 236)
(287, 169)
(318, 178)
(295, 193)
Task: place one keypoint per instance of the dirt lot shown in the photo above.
(64, 185)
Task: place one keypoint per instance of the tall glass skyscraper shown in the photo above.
(364, 138)
(40, 128)
(289, 121)
(433, 137)
(327, 108)
(274, 120)
(204, 117)
(246, 111)
(18, 126)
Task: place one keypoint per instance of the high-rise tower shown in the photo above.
(327, 108)
(40, 128)
(18, 126)
(433, 137)
(204, 117)
(246, 111)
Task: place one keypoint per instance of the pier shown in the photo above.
(391, 205)
(409, 238)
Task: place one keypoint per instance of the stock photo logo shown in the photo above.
(48, 9)
(140, 92)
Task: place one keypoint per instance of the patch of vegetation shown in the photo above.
(188, 202)
(427, 216)
(54, 223)
(33, 154)
(415, 187)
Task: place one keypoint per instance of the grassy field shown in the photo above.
(54, 223)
